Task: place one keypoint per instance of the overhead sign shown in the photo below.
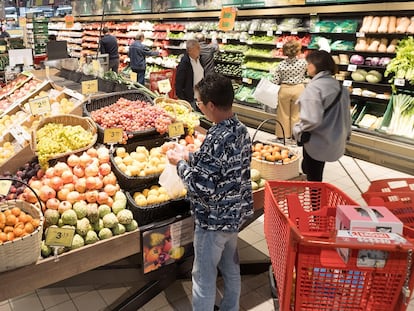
(227, 18)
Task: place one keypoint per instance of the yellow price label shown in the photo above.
(133, 76)
(164, 86)
(176, 129)
(39, 106)
(113, 135)
(95, 65)
(3, 48)
(22, 21)
(5, 186)
(59, 236)
(89, 87)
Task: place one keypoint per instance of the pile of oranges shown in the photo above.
(272, 153)
(15, 223)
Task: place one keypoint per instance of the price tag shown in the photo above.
(224, 40)
(5, 186)
(269, 33)
(3, 48)
(47, 70)
(293, 32)
(89, 87)
(19, 134)
(96, 65)
(360, 34)
(279, 45)
(278, 32)
(22, 21)
(399, 82)
(113, 135)
(164, 86)
(59, 236)
(39, 106)
(352, 67)
(133, 76)
(247, 80)
(176, 129)
(251, 32)
(347, 83)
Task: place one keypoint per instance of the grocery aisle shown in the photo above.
(255, 288)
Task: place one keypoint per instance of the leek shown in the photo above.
(402, 119)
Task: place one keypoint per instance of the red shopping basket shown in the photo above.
(299, 224)
(392, 185)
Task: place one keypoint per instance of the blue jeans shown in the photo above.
(212, 250)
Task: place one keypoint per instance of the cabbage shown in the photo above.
(373, 76)
(356, 59)
(359, 75)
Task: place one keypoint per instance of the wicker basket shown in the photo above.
(25, 250)
(163, 101)
(132, 182)
(86, 123)
(106, 100)
(156, 212)
(273, 170)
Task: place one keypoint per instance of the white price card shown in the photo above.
(20, 134)
(360, 35)
(39, 106)
(164, 86)
(279, 45)
(399, 82)
(5, 186)
(247, 80)
(347, 83)
(269, 33)
(352, 67)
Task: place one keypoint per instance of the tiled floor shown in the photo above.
(255, 288)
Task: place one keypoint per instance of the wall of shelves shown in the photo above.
(169, 34)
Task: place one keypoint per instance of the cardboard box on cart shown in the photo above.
(366, 219)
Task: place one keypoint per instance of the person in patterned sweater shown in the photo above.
(290, 74)
(217, 177)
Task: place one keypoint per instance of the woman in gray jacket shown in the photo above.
(325, 119)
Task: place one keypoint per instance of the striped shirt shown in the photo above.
(218, 177)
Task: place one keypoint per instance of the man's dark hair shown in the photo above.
(105, 30)
(216, 88)
(322, 61)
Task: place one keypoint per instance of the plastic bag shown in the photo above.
(170, 180)
(266, 93)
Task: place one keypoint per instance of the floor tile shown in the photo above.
(64, 306)
(29, 302)
(5, 306)
(52, 296)
(90, 301)
(75, 291)
(113, 294)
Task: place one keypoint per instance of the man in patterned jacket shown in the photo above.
(217, 177)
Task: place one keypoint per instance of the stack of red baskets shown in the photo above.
(299, 226)
(397, 194)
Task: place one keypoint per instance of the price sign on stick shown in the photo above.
(39, 106)
(59, 236)
(133, 76)
(164, 86)
(89, 87)
(176, 129)
(113, 135)
(5, 186)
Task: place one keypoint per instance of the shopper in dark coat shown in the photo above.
(189, 73)
(207, 53)
(137, 54)
(109, 45)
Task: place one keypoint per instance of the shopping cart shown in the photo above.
(309, 272)
(397, 194)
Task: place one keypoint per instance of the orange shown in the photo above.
(8, 229)
(35, 222)
(3, 237)
(18, 232)
(28, 227)
(10, 236)
(11, 220)
(15, 211)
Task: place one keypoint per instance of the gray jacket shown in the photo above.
(330, 130)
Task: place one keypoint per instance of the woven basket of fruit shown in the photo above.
(274, 161)
(138, 163)
(21, 236)
(58, 136)
(180, 111)
(120, 110)
(150, 203)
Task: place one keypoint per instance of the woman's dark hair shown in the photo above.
(322, 61)
(216, 88)
(52, 37)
